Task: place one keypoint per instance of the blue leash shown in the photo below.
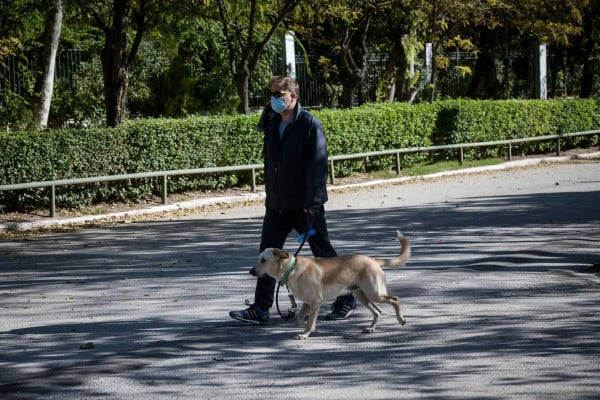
(300, 239)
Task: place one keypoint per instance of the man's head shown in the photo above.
(284, 94)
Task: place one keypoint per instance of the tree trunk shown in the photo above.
(484, 84)
(587, 79)
(393, 79)
(44, 82)
(115, 68)
(244, 56)
(432, 79)
(587, 56)
(242, 79)
(354, 67)
(400, 75)
(351, 84)
(390, 92)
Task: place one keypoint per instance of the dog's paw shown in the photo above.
(368, 330)
(301, 336)
(403, 321)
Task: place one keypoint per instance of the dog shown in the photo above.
(315, 280)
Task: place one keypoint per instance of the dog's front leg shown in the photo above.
(303, 313)
(312, 320)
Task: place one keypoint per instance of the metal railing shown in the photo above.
(254, 167)
(460, 146)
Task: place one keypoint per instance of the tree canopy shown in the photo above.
(175, 57)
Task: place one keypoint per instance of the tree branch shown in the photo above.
(142, 24)
(285, 11)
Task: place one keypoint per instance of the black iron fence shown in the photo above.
(16, 72)
(16, 76)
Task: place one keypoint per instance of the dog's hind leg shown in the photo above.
(395, 302)
(375, 310)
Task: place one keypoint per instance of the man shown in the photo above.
(295, 156)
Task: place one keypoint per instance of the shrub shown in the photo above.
(469, 121)
(377, 127)
(197, 142)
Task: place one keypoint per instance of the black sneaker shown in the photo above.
(253, 315)
(342, 308)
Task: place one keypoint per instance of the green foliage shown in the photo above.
(596, 115)
(375, 127)
(469, 121)
(30, 156)
(192, 63)
(78, 100)
(15, 111)
(198, 142)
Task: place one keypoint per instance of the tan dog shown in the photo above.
(315, 280)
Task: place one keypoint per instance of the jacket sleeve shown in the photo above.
(315, 167)
(265, 117)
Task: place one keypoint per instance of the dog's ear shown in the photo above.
(281, 254)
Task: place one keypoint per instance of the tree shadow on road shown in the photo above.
(155, 291)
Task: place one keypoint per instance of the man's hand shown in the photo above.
(311, 212)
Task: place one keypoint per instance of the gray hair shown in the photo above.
(288, 82)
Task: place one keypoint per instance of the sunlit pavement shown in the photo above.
(497, 302)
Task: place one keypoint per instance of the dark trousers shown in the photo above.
(276, 228)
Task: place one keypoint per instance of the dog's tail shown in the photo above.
(400, 261)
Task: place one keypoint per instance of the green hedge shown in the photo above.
(377, 127)
(469, 121)
(196, 142)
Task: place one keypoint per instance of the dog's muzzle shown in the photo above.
(253, 272)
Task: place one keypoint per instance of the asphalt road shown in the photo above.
(497, 302)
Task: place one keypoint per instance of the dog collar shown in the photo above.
(287, 272)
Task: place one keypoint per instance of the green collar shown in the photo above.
(287, 272)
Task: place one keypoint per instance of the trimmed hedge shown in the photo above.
(469, 121)
(197, 142)
(377, 127)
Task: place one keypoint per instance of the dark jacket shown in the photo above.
(295, 165)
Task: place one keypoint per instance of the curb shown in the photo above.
(253, 197)
(87, 219)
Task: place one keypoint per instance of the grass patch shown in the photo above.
(431, 168)
(424, 168)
